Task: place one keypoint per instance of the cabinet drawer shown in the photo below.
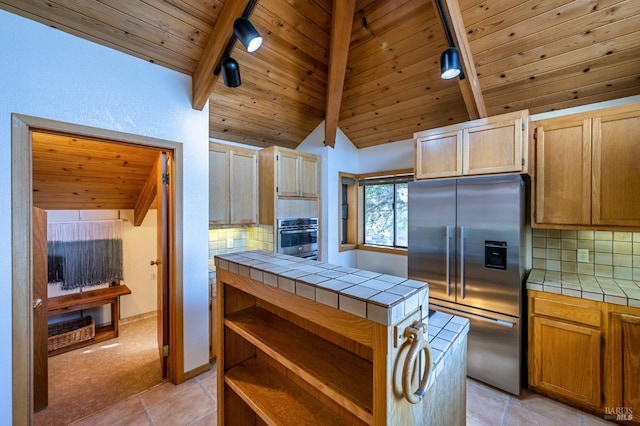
(570, 311)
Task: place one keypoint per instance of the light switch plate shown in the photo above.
(230, 243)
(583, 255)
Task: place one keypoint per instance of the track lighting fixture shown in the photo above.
(230, 72)
(247, 34)
(449, 63)
(450, 58)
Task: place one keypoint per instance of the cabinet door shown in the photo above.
(288, 174)
(563, 183)
(218, 187)
(566, 360)
(438, 155)
(624, 347)
(495, 147)
(309, 183)
(243, 174)
(616, 172)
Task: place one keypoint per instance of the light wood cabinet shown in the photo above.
(616, 172)
(286, 174)
(623, 372)
(565, 354)
(233, 185)
(485, 146)
(586, 169)
(586, 353)
(563, 175)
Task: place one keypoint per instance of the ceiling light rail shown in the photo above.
(244, 31)
(450, 58)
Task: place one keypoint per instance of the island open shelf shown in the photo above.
(289, 356)
(275, 398)
(339, 374)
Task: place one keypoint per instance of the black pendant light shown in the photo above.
(450, 58)
(230, 72)
(450, 63)
(247, 34)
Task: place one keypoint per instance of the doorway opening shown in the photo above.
(23, 128)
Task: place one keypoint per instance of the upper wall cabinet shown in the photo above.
(297, 174)
(587, 169)
(485, 146)
(286, 174)
(233, 185)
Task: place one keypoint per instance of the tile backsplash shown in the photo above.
(231, 240)
(611, 254)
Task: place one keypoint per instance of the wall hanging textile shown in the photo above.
(85, 253)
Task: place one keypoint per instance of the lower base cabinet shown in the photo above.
(567, 359)
(623, 391)
(586, 354)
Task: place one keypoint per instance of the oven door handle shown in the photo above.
(297, 231)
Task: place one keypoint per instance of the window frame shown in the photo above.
(355, 200)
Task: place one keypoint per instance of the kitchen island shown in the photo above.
(305, 342)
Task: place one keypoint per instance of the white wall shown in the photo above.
(139, 246)
(50, 74)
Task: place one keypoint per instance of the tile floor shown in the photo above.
(194, 403)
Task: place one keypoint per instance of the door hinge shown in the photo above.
(165, 350)
(523, 127)
(535, 134)
(165, 178)
(522, 161)
(602, 398)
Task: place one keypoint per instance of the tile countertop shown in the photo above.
(601, 289)
(385, 299)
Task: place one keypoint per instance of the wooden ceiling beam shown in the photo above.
(203, 77)
(469, 86)
(341, 23)
(148, 193)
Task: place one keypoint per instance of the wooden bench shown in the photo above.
(74, 302)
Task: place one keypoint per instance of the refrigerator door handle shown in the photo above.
(490, 320)
(495, 321)
(449, 234)
(462, 280)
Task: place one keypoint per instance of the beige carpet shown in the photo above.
(92, 378)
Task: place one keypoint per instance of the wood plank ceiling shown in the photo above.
(71, 173)
(539, 55)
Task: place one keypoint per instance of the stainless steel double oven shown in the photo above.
(298, 237)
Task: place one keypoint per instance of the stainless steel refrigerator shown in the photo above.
(467, 239)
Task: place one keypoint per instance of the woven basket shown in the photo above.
(69, 332)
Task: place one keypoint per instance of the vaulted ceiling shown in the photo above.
(381, 82)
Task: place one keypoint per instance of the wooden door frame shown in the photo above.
(22, 251)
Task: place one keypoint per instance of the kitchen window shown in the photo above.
(373, 211)
(385, 211)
